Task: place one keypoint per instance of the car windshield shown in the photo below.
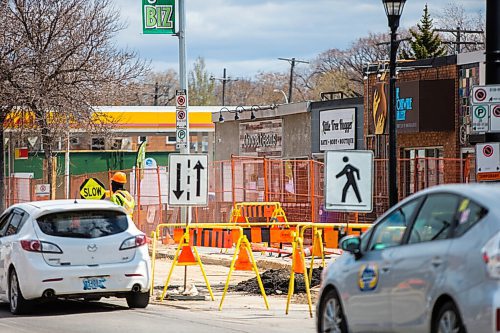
(83, 224)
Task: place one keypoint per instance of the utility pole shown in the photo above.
(292, 62)
(458, 33)
(155, 103)
(224, 79)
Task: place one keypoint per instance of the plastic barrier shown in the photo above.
(225, 235)
(269, 211)
(323, 234)
(184, 256)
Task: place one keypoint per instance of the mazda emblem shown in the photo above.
(91, 247)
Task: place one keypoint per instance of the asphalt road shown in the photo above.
(114, 316)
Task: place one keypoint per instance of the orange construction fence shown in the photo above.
(298, 185)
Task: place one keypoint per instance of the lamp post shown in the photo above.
(393, 10)
(284, 95)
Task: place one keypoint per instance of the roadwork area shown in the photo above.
(243, 298)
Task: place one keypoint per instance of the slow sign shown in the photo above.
(92, 189)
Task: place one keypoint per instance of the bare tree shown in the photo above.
(70, 64)
(201, 88)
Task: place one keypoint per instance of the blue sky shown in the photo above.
(247, 37)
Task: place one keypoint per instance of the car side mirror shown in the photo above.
(351, 244)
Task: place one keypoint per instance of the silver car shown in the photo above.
(429, 264)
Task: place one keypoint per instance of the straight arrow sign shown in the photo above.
(188, 179)
(178, 191)
(198, 167)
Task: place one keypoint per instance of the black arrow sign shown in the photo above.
(178, 191)
(198, 167)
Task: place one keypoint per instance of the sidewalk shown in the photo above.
(216, 265)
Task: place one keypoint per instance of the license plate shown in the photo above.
(94, 283)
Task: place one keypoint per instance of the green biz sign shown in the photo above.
(158, 16)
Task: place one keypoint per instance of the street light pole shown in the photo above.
(284, 95)
(393, 9)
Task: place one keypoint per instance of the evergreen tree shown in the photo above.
(425, 42)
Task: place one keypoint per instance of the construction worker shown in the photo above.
(119, 195)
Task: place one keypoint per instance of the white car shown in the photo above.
(84, 249)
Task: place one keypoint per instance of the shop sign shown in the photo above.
(158, 17)
(337, 129)
(261, 138)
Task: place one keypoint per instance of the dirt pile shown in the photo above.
(276, 282)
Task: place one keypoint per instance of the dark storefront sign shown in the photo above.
(261, 138)
(421, 106)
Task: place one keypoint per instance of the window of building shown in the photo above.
(74, 141)
(141, 139)
(422, 167)
(97, 144)
(170, 140)
(117, 143)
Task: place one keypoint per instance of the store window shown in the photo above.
(423, 167)
(97, 144)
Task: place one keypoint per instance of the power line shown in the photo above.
(458, 32)
(292, 62)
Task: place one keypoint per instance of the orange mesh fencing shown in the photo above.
(297, 184)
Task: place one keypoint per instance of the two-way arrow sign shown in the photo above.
(183, 168)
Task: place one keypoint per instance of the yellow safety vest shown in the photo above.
(124, 199)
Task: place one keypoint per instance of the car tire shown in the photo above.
(331, 316)
(18, 304)
(138, 300)
(448, 320)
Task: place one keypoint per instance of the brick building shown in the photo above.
(433, 118)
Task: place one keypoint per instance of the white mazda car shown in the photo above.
(71, 249)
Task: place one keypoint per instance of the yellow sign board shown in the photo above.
(92, 189)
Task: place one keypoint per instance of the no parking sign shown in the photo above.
(488, 161)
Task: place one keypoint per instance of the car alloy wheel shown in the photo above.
(18, 304)
(14, 292)
(448, 320)
(332, 317)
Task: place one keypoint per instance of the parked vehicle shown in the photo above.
(84, 249)
(429, 264)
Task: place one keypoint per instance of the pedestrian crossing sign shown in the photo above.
(349, 180)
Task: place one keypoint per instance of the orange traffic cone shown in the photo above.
(298, 262)
(243, 262)
(186, 257)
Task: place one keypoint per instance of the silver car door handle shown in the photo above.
(386, 268)
(436, 262)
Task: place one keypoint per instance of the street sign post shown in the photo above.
(480, 117)
(486, 108)
(181, 121)
(188, 180)
(92, 189)
(349, 180)
(42, 189)
(495, 118)
(486, 94)
(158, 17)
(488, 161)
